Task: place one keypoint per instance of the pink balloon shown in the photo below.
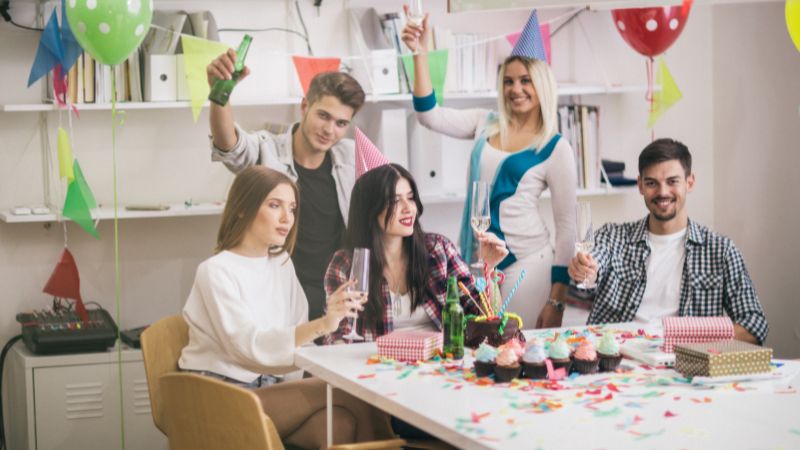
(651, 31)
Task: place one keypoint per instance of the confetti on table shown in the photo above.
(795, 431)
(365, 376)
(669, 413)
(613, 412)
(476, 418)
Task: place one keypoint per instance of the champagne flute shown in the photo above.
(585, 239)
(359, 274)
(480, 218)
(415, 15)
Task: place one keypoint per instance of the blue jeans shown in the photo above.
(261, 381)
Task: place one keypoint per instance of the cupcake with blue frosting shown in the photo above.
(485, 357)
(533, 360)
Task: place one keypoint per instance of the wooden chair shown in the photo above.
(202, 413)
(162, 343)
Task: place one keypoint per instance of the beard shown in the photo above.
(663, 217)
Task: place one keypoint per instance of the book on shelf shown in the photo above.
(88, 78)
(579, 125)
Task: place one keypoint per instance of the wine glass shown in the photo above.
(585, 239)
(480, 217)
(359, 275)
(415, 15)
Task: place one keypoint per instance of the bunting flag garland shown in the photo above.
(666, 97)
(65, 156)
(368, 156)
(544, 31)
(437, 62)
(65, 282)
(49, 53)
(80, 201)
(307, 68)
(197, 54)
(72, 49)
(530, 42)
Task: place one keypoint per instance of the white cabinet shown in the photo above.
(74, 402)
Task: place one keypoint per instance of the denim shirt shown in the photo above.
(275, 152)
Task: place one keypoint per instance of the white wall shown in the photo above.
(757, 136)
(163, 155)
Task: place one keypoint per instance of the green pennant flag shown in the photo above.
(86, 191)
(79, 201)
(437, 61)
(197, 54)
(666, 97)
(64, 156)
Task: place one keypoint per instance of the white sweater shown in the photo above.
(242, 313)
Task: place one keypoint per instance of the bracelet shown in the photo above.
(556, 304)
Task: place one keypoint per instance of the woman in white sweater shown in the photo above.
(247, 313)
(518, 151)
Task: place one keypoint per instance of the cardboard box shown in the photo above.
(714, 359)
(688, 330)
(410, 345)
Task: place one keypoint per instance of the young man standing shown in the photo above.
(666, 264)
(312, 152)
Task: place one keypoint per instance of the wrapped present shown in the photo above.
(410, 345)
(714, 359)
(688, 330)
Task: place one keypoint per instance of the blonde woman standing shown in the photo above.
(518, 151)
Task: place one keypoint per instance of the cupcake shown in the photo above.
(585, 360)
(508, 366)
(559, 354)
(533, 365)
(608, 351)
(485, 360)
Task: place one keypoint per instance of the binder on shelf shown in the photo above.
(161, 75)
(378, 70)
(393, 138)
(88, 78)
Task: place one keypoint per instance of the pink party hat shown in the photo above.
(368, 156)
(530, 42)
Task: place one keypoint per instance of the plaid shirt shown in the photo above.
(714, 281)
(443, 261)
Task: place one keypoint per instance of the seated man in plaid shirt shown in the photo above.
(666, 264)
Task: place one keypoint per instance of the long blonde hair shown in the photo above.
(546, 90)
(245, 198)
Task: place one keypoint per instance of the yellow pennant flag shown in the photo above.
(667, 96)
(197, 54)
(65, 156)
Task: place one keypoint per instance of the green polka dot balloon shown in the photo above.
(110, 30)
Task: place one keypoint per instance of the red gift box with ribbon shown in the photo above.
(689, 330)
(410, 345)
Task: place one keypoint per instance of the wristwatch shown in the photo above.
(556, 304)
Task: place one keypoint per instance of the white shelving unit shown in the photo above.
(105, 213)
(564, 90)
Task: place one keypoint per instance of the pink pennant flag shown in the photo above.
(368, 156)
(544, 28)
(308, 68)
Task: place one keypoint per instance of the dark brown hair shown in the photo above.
(665, 149)
(339, 85)
(249, 190)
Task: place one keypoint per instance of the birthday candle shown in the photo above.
(511, 294)
(469, 296)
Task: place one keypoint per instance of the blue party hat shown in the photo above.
(530, 42)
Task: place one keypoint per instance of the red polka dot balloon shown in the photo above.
(650, 31)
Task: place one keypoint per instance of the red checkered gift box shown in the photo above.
(689, 330)
(410, 345)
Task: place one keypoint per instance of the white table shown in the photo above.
(647, 408)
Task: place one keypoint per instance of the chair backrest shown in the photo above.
(201, 413)
(162, 343)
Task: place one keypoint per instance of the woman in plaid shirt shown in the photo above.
(408, 267)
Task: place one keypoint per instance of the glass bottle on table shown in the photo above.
(453, 321)
(221, 90)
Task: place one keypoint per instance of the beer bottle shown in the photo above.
(221, 90)
(453, 321)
